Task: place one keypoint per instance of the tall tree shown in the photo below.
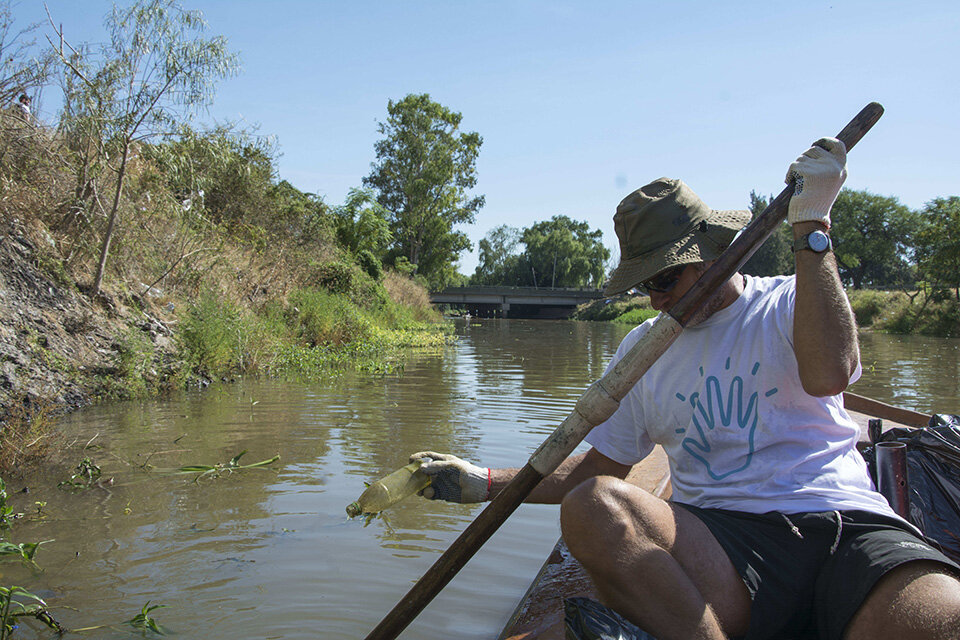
(425, 166)
(774, 257)
(499, 257)
(361, 224)
(938, 244)
(871, 237)
(155, 70)
(565, 253)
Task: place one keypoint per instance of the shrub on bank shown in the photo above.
(878, 308)
(637, 315)
(615, 309)
(897, 312)
(209, 334)
(310, 334)
(321, 318)
(347, 279)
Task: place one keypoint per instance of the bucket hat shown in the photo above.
(664, 225)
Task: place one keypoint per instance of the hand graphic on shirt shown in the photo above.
(715, 417)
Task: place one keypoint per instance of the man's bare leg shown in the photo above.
(917, 600)
(655, 563)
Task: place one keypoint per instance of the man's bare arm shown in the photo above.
(568, 475)
(824, 329)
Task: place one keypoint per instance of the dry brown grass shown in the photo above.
(405, 291)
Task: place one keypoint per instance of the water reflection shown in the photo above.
(914, 372)
(271, 554)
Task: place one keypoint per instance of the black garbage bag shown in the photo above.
(933, 476)
(587, 619)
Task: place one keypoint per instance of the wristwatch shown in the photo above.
(817, 241)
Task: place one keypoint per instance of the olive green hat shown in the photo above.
(665, 224)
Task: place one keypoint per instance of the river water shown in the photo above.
(270, 553)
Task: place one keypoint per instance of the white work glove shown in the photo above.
(818, 174)
(453, 479)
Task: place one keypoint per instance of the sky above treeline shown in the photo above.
(580, 103)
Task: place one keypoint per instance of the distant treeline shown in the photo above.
(880, 244)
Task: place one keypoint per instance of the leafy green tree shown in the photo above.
(774, 256)
(499, 258)
(156, 69)
(228, 173)
(938, 244)
(303, 217)
(559, 252)
(565, 253)
(361, 224)
(425, 166)
(871, 239)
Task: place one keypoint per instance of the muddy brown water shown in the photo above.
(271, 553)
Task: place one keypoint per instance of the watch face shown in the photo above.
(818, 241)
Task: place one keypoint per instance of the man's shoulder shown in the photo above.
(769, 283)
(760, 287)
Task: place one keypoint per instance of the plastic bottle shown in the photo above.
(390, 490)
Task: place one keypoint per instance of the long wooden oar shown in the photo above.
(599, 402)
(883, 410)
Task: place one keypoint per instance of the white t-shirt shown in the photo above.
(726, 404)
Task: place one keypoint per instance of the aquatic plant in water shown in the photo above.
(216, 470)
(143, 621)
(7, 516)
(25, 551)
(86, 475)
(16, 602)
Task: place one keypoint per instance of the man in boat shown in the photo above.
(774, 528)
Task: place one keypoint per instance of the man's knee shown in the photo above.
(593, 498)
(917, 600)
(601, 511)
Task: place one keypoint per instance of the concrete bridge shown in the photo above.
(515, 302)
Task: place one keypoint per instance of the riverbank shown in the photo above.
(62, 348)
(885, 311)
(199, 265)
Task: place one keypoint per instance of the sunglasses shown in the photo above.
(664, 281)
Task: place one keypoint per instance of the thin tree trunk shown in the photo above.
(112, 222)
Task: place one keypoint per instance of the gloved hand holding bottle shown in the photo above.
(453, 479)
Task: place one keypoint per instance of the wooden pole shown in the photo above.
(878, 409)
(599, 402)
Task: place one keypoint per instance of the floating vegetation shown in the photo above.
(382, 352)
(16, 602)
(25, 551)
(143, 621)
(86, 475)
(217, 470)
(7, 516)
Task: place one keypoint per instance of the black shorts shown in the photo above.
(809, 587)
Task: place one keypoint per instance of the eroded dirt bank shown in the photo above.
(60, 348)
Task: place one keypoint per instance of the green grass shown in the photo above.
(626, 310)
(894, 312)
(636, 316)
(315, 334)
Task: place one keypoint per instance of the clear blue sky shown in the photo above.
(579, 103)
